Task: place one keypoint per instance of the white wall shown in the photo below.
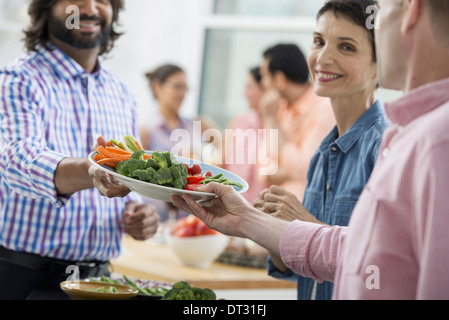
(156, 32)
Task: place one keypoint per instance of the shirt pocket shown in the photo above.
(313, 202)
(360, 231)
(342, 211)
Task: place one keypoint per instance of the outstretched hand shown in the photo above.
(223, 213)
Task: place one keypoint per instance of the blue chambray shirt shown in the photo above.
(338, 172)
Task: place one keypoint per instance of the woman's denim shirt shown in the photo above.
(338, 172)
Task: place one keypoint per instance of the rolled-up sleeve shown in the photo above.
(27, 165)
(312, 250)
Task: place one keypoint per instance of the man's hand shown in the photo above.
(106, 184)
(223, 213)
(140, 221)
(231, 214)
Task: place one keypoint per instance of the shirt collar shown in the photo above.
(418, 102)
(63, 64)
(348, 140)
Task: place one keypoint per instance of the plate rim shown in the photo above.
(189, 192)
(130, 293)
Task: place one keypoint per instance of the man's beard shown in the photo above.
(58, 29)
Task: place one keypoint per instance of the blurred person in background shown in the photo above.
(343, 67)
(166, 129)
(292, 107)
(55, 102)
(245, 140)
(241, 138)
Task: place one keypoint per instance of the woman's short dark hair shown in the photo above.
(354, 10)
(39, 12)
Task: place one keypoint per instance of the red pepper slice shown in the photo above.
(195, 179)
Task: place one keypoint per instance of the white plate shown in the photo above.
(163, 193)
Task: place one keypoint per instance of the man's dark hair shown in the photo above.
(356, 12)
(255, 73)
(39, 12)
(288, 59)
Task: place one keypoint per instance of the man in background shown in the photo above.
(301, 117)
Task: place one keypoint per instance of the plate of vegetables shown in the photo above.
(160, 174)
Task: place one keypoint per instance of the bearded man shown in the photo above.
(56, 210)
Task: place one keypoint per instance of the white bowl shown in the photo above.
(198, 251)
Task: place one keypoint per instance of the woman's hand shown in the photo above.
(283, 204)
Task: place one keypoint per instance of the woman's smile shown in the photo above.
(326, 76)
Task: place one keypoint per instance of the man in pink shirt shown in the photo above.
(397, 243)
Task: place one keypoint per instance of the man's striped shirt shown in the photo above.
(50, 109)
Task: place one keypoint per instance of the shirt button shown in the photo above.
(334, 148)
(386, 152)
(328, 187)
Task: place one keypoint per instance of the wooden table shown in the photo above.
(155, 261)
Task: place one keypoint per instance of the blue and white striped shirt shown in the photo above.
(50, 109)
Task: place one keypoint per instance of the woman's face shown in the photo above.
(341, 59)
(253, 92)
(172, 92)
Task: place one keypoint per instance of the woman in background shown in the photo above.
(167, 129)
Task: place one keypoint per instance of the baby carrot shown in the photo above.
(111, 154)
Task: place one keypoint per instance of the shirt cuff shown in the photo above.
(295, 246)
(42, 176)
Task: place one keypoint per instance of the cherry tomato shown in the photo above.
(195, 169)
(208, 174)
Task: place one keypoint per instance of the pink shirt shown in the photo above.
(397, 243)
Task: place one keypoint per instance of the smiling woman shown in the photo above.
(343, 67)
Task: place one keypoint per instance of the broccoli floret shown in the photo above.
(159, 160)
(168, 157)
(179, 177)
(138, 155)
(162, 176)
(184, 291)
(180, 294)
(160, 169)
(181, 285)
(128, 167)
(204, 294)
(151, 164)
(144, 175)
